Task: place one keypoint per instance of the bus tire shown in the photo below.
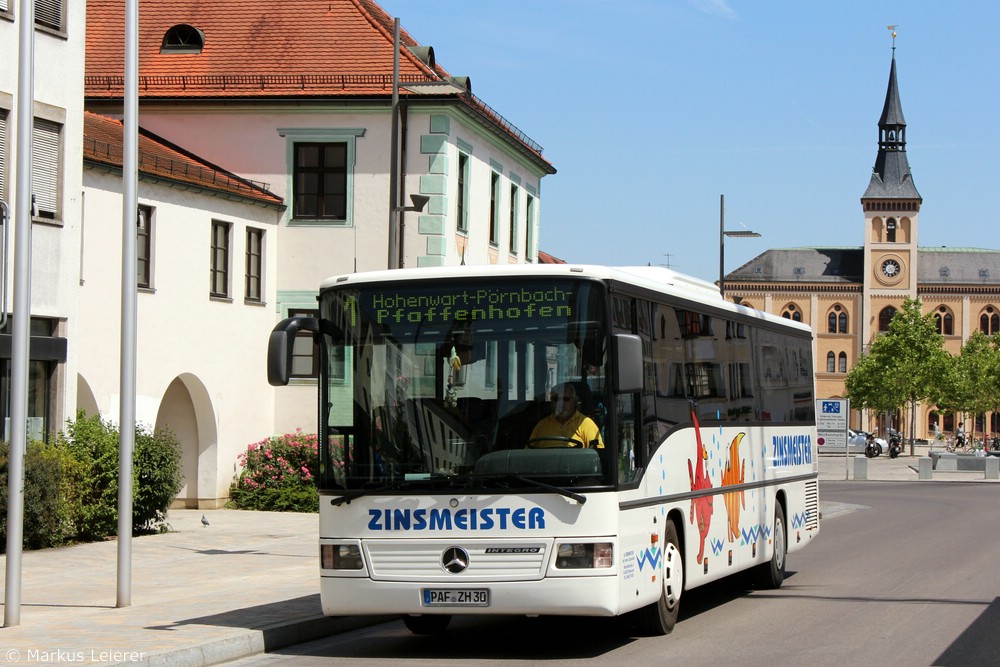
(772, 573)
(427, 624)
(660, 617)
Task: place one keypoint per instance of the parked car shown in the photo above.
(856, 441)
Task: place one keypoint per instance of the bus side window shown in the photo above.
(627, 442)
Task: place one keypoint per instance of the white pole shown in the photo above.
(130, 208)
(24, 121)
(393, 262)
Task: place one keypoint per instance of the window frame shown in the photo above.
(253, 281)
(46, 169)
(462, 193)
(306, 135)
(51, 9)
(220, 261)
(494, 221)
(885, 318)
(4, 115)
(297, 354)
(512, 232)
(144, 247)
(529, 226)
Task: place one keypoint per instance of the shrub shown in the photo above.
(94, 445)
(47, 519)
(156, 476)
(277, 474)
(71, 485)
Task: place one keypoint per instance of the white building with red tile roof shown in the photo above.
(267, 163)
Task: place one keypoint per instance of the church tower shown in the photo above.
(891, 205)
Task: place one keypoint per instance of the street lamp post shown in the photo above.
(723, 233)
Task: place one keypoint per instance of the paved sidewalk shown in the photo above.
(201, 595)
(835, 467)
(246, 583)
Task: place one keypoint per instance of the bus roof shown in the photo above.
(655, 278)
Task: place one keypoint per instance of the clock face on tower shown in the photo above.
(890, 268)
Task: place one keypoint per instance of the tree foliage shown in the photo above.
(971, 382)
(904, 365)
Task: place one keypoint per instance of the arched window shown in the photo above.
(843, 362)
(885, 317)
(837, 320)
(944, 321)
(183, 38)
(989, 321)
(890, 230)
(791, 312)
(830, 361)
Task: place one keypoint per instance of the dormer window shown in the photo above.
(183, 38)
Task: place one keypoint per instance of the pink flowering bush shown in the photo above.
(278, 474)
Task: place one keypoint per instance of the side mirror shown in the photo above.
(279, 347)
(627, 350)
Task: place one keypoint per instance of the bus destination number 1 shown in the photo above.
(456, 597)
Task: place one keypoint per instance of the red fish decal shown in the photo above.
(701, 506)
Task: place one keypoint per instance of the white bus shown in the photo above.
(434, 501)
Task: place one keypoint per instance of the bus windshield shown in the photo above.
(433, 383)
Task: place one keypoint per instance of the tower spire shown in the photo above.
(891, 176)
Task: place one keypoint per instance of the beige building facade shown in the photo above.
(849, 294)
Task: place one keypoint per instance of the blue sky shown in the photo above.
(652, 109)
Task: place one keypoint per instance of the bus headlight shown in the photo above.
(340, 557)
(586, 555)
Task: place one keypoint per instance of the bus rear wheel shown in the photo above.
(660, 617)
(428, 624)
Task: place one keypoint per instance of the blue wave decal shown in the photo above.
(650, 557)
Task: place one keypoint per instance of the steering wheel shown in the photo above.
(570, 442)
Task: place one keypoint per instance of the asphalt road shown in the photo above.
(903, 573)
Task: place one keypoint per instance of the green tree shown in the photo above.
(970, 384)
(903, 365)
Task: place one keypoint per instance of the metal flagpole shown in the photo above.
(130, 210)
(22, 320)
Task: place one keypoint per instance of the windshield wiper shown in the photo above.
(348, 496)
(409, 480)
(580, 498)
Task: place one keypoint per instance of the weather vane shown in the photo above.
(892, 28)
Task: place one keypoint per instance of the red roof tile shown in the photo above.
(252, 47)
(102, 143)
(546, 258)
(265, 50)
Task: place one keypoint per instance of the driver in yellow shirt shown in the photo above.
(566, 426)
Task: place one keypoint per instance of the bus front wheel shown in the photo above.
(772, 573)
(660, 617)
(428, 624)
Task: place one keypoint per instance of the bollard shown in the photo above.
(924, 470)
(992, 467)
(861, 467)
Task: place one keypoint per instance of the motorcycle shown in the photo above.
(873, 446)
(895, 443)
